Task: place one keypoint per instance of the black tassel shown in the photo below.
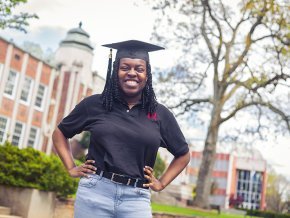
(109, 70)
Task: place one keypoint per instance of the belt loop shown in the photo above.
(101, 174)
(135, 184)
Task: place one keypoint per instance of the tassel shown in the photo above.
(109, 70)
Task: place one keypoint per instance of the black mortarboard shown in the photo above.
(133, 49)
(130, 49)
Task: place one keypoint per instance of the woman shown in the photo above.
(127, 127)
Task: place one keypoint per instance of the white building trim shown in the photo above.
(17, 98)
(31, 109)
(6, 70)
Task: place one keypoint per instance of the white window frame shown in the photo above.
(36, 139)
(5, 130)
(12, 96)
(1, 68)
(28, 100)
(43, 98)
(21, 135)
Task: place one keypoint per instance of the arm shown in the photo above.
(173, 170)
(63, 149)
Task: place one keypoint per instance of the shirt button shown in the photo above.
(128, 110)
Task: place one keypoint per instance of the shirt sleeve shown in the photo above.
(75, 122)
(172, 137)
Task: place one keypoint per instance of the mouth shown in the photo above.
(131, 82)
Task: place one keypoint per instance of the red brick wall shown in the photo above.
(63, 99)
(31, 67)
(37, 118)
(45, 74)
(6, 108)
(22, 113)
(263, 197)
(44, 144)
(89, 92)
(80, 95)
(3, 50)
(17, 59)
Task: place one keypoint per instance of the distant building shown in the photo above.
(236, 180)
(35, 95)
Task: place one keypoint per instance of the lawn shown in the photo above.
(192, 212)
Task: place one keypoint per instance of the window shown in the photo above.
(249, 185)
(18, 130)
(33, 136)
(26, 90)
(10, 87)
(40, 96)
(3, 127)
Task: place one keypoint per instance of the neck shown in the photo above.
(132, 100)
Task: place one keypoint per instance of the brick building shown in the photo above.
(237, 180)
(35, 95)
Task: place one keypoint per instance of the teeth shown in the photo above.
(131, 82)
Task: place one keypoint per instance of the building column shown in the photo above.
(56, 109)
(46, 126)
(6, 69)
(70, 94)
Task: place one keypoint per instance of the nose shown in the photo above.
(132, 72)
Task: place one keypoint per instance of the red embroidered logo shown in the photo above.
(152, 116)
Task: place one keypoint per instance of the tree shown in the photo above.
(242, 59)
(278, 192)
(13, 21)
(33, 48)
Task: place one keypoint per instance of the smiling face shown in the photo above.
(132, 75)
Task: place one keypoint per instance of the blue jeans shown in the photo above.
(98, 197)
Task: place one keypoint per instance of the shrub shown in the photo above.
(266, 214)
(30, 168)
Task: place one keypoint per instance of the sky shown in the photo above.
(109, 21)
(106, 21)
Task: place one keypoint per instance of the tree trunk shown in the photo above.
(203, 185)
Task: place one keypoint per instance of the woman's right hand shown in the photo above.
(83, 170)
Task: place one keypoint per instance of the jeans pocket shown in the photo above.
(144, 193)
(88, 182)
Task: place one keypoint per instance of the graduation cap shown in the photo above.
(130, 49)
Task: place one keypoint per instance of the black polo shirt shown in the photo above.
(124, 140)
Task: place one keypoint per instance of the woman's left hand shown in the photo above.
(154, 183)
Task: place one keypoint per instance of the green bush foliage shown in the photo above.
(30, 168)
(266, 214)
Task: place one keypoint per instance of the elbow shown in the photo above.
(57, 135)
(54, 134)
(187, 158)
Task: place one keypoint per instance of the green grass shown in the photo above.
(191, 211)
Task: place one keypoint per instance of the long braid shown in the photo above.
(149, 101)
(111, 91)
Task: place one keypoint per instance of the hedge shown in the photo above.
(266, 214)
(30, 168)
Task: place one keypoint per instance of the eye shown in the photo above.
(124, 68)
(140, 69)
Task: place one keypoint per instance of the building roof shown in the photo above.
(78, 37)
(52, 65)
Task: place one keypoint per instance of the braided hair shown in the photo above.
(112, 91)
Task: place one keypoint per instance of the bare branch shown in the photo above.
(191, 102)
(204, 34)
(248, 40)
(206, 2)
(261, 103)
